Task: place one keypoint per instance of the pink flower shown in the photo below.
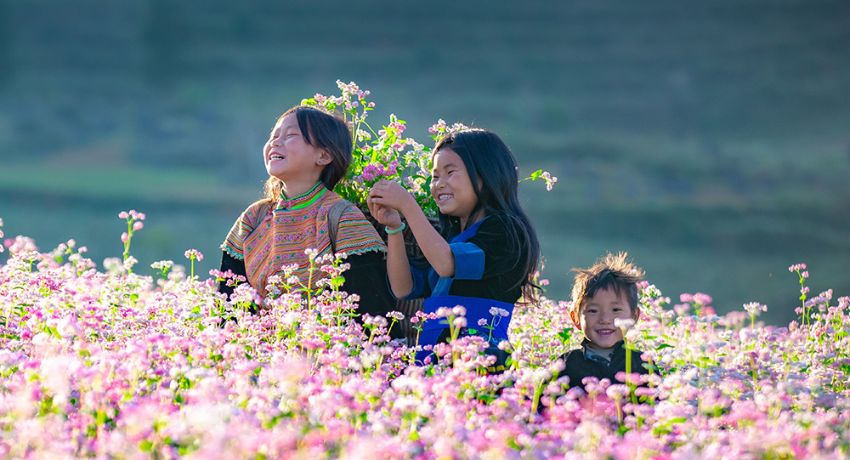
(371, 172)
(194, 254)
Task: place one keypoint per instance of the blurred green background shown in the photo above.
(710, 139)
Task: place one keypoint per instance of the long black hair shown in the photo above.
(492, 170)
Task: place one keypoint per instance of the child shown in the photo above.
(603, 296)
(488, 249)
(307, 153)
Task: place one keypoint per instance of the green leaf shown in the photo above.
(146, 445)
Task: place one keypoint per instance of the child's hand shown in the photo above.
(390, 194)
(388, 217)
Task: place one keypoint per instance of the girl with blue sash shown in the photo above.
(487, 252)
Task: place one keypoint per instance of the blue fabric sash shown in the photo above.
(476, 308)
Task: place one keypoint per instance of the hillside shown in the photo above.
(708, 138)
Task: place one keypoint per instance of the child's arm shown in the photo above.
(398, 267)
(434, 247)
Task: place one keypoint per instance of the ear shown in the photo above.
(636, 313)
(324, 158)
(574, 315)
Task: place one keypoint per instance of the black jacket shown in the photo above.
(578, 366)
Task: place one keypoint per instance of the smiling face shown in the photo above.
(598, 314)
(451, 186)
(289, 157)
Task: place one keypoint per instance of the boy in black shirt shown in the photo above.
(605, 303)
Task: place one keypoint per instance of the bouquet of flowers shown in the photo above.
(387, 153)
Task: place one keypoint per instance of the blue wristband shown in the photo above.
(393, 231)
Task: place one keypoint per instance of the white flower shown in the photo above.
(624, 324)
(162, 264)
(754, 308)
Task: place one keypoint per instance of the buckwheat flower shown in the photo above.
(624, 324)
(437, 127)
(617, 391)
(123, 215)
(274, 279)
(459, 322)
(396, 315)
(311, 254)
(797, 267)
(754, 308)
(370, 173)
(161, 264)
(482, 322)
(124, 237)
(459, 310)
(392, 169)
(702, 299)
(194, 254)
(129, 263)
(138, 225)
(549, 179)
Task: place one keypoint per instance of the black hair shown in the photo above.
(327, 132)
(614, 272)
(492, 170)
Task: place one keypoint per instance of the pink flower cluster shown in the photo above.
(372, 172)
(194, 254)
(115, 365)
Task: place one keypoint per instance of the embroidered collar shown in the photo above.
(301, 201)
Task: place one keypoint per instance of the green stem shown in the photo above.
(535, 401)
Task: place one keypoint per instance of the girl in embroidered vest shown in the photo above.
(488, 249)
(307, 153)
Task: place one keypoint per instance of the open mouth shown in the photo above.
(444, 197)
(276, 156)
(605, 332)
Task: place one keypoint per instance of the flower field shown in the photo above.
(110, 363)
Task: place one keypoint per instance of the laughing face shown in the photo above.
(450, 185)
(288, 156)
(598, 314)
